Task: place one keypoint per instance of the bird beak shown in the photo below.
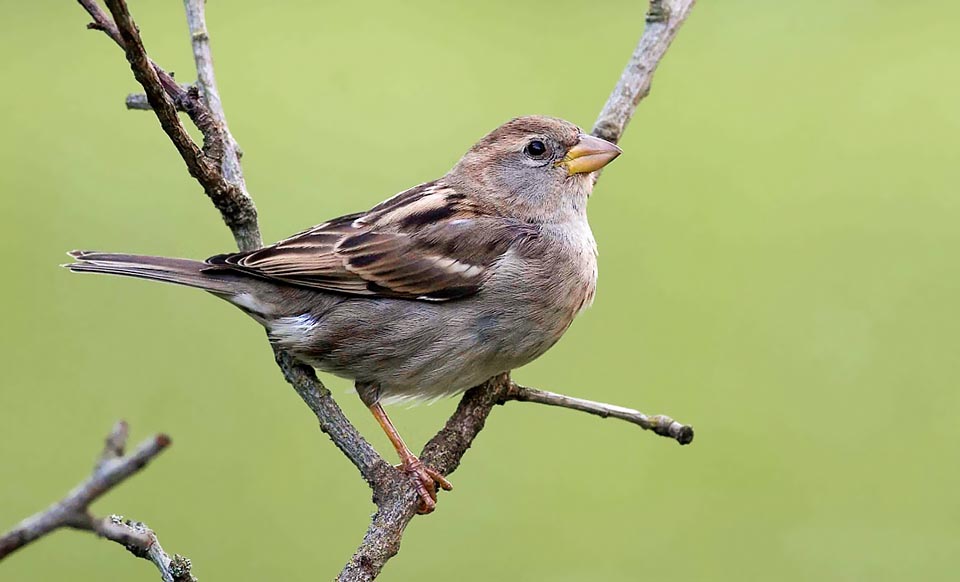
(589, 155)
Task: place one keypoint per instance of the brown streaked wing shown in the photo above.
(425, 243)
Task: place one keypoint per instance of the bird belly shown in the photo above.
(420, 350)
(416, 351)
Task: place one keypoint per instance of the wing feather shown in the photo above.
(426, 243)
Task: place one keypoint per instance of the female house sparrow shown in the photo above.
(433, 291)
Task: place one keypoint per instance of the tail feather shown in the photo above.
(178, 271)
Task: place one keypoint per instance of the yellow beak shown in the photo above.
(589, 155)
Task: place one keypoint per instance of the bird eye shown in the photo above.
(535, 149)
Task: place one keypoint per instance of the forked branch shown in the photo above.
(111, 469)
(165, 97)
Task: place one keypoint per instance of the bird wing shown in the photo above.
(428, 243)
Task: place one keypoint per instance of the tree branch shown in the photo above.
(138, 101)
(445, 451)
(207, 82)
(373, 468)
(112, 468)
(663, 22)
(399, 504)
(165, 96)
(659, 424)
(216, 166)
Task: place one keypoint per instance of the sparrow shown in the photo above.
(432, 291)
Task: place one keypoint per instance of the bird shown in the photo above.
(431, 292)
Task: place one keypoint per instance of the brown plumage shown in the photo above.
(426, 243)
(432, 291)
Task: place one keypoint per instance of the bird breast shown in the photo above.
(551, 281)
(420, 350)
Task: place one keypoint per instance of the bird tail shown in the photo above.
(178, 271)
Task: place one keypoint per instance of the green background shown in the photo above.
(778, 267)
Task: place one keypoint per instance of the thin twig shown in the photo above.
(139, 540)
(101, 21)
(138, 101)
(663, 22)
(373, 468)
(165, 96)
(207, 82)
(659, 424)
(112, 468)
(232, 202)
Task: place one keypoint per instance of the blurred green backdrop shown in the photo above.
(778, 268)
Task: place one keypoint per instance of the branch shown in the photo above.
(138, 101)
(659, 424)
(663, 22)
(373, 468)
(443, 452)
(112, 468)
(165, 96)
(206, 80)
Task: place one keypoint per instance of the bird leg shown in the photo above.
(425, 479)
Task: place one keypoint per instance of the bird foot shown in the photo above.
(425, 481)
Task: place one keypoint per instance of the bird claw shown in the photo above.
(425, 481)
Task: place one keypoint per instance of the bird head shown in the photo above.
(534, 168)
